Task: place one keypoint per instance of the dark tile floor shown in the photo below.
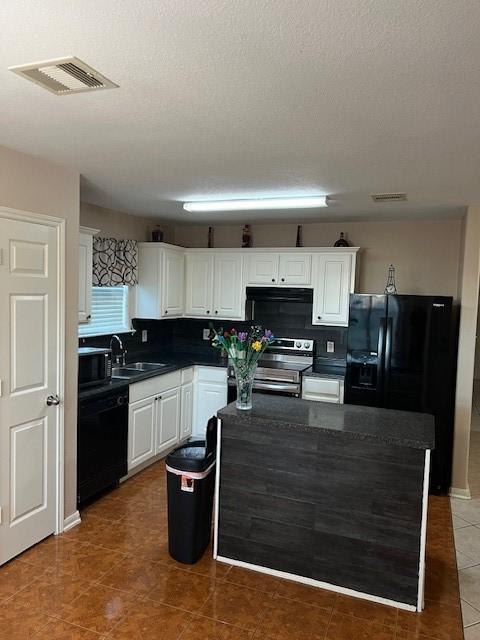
(112, 578)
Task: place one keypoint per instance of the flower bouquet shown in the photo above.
(244, 349)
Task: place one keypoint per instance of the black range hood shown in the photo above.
(279, 294)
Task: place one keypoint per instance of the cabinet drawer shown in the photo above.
(153, 386)
(323, 389)
(211, 374)
(187, 375)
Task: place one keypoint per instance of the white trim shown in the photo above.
(60, 225)
(194, 475)
(217, 489)
(317, 583)
(423, 534)
(463, 494)
(71, 521)
(90, 230)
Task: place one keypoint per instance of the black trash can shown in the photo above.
(191, 485)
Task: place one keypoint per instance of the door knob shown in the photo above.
(53, 400)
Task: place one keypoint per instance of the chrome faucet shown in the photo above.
(120, 358)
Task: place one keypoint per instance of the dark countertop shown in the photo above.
(174, 362)
(402, 428)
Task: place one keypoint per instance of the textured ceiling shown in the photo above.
(221, 99)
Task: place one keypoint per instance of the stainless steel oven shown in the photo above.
(280, 369)
(94, 366)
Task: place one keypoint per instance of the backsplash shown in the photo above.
(185, 335)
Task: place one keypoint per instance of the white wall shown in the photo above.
(426, 253)
(38, 186)
(470, 270)
(117, 224)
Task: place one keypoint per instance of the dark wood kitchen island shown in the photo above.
(329, 495)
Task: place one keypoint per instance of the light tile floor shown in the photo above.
(466, 525)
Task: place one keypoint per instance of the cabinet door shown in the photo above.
(168, 419)
(173, 283)
(210, 398)
(263, 268)
(199, 285)
(141, 431)
(295, 268)
(186, 411)
(228, 289)
(331, 289)
(85, 277)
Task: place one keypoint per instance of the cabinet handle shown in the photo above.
(89, 316)
(216, 311)
(273, 279)
(319, 317)
(283, 279)
(208, 311)
(166, 310)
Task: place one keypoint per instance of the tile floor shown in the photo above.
(112, 578)
(466, 524)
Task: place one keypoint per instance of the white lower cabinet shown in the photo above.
(168, 420)
(141, 431)
(210, 396)
(323, 389)
(160, 415)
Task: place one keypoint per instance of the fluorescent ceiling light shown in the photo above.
(257, 203)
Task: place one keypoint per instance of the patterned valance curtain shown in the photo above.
(115, 262)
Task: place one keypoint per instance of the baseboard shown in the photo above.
(463, 494)
(71, 521)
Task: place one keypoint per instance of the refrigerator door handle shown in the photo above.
(388, 359)
(380, 359)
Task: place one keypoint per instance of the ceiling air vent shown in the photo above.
(388, 197)
(64, 75)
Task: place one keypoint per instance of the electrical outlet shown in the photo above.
(206, 334)
(144, 335)
(330, 346)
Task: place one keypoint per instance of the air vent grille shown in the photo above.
(64, 75)
(388, 197)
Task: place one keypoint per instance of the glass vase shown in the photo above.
(244, 374)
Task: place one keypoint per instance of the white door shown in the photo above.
(211, 397)
(186, 411)
(168, 419)
(141, 431)
(28, 375)
(173, 283)
(84, 277)
(331, 289)
(199, 285)
(263, 268)
(228, 291)
(295, 268)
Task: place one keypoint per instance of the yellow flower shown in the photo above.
(257, 345)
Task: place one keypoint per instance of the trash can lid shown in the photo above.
(190, 457)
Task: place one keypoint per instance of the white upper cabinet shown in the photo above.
(228, 289)
(283, 269)
(295, 269)
(161, 281)
(214, 285)
(173, 290)
(199, 284)
(333, 281)
(263, 268)
(85, 273)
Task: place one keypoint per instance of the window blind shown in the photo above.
(109, 311)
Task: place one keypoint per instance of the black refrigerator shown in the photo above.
(401, 354)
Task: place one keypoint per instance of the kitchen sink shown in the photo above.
(145, 366)
(123, 372)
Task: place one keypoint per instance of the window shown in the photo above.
(109, 312)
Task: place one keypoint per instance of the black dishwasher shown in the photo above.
(102, 441)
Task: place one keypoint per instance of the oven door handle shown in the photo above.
(273, 386)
